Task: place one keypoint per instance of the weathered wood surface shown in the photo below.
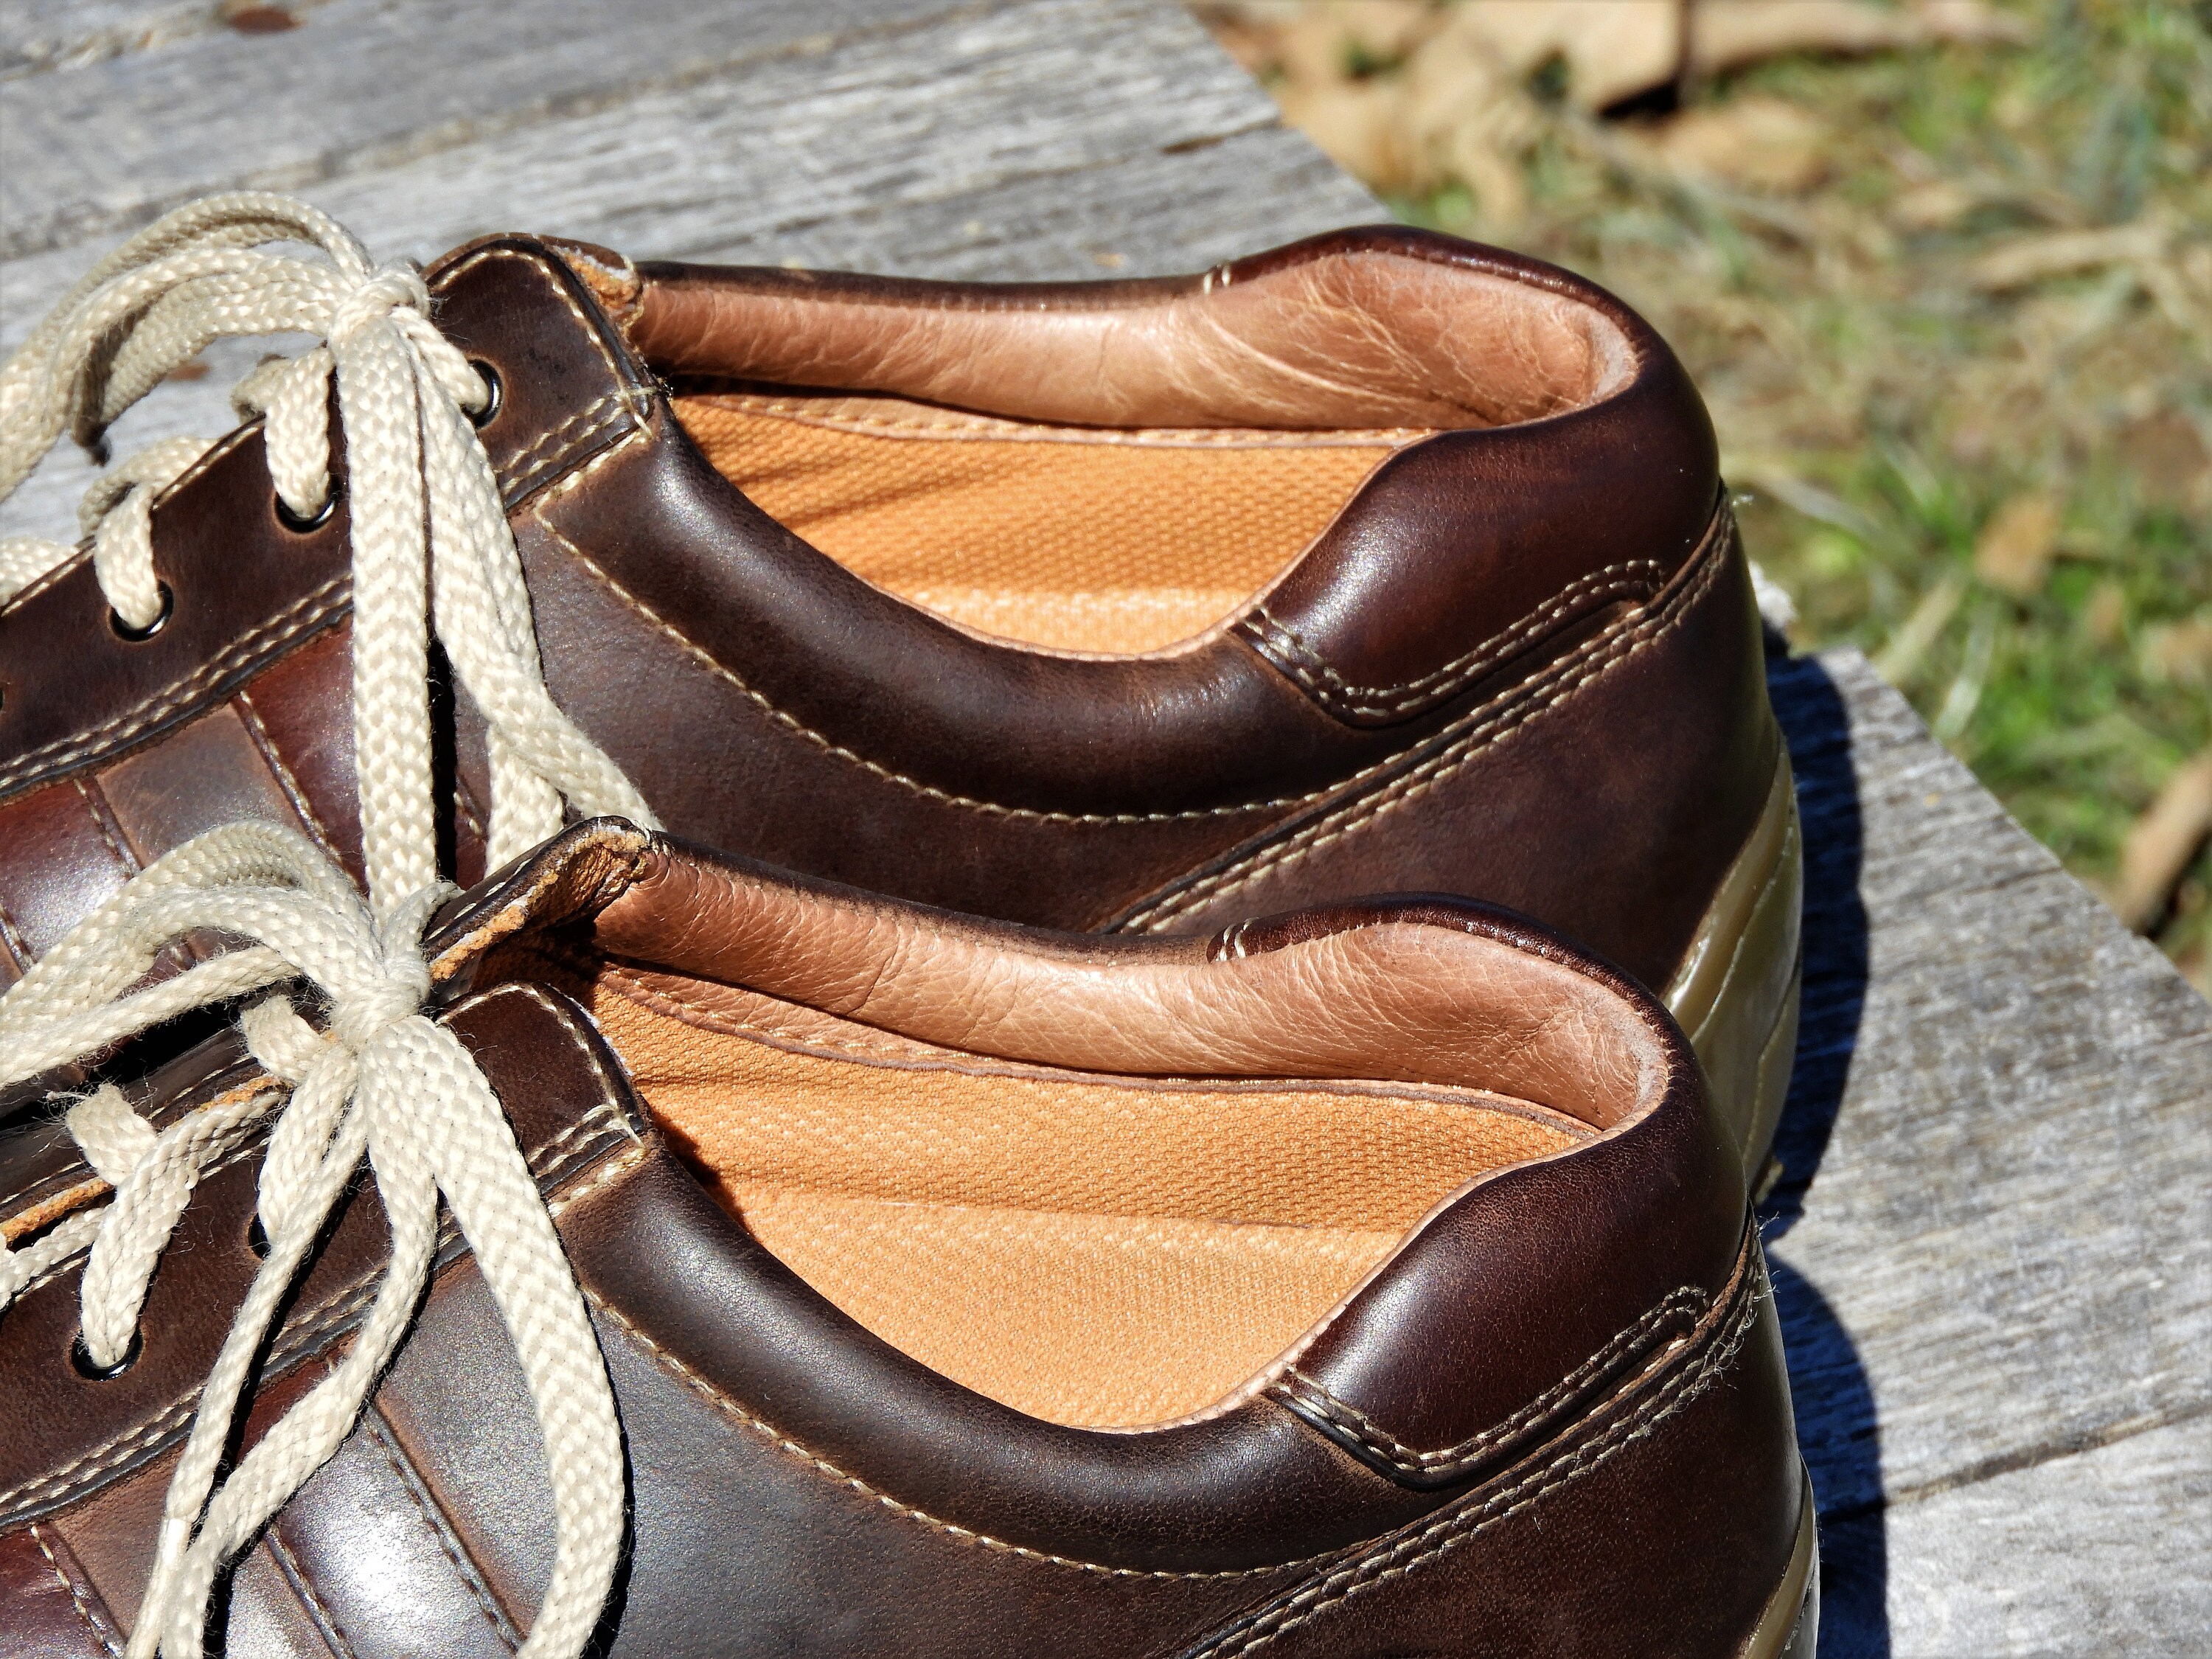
(1994, 1249)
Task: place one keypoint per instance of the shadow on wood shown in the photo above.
(1837, 1427)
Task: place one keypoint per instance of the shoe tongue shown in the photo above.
(536, 313)
(571, 877)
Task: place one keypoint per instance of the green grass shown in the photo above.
(1877, 406)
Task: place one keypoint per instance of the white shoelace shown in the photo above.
(384, 1081)
(429, 530)
(430, 540)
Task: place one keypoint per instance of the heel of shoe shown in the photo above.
(1736, 994)
(1790, 1626)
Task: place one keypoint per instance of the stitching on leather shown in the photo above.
(19, 949)
(301, 616)
(1316, 1397)
(1446, 1532)
(440, 1530)
(103, 821)
(521, 483)
(543, 268)
(549, 1162)
(290, 784)
(1568, 676)
(1633, 579)
(221, 448)
(634, 987)
(799, 728)
(93, 1621)
(303, 1586)
(830, 1471)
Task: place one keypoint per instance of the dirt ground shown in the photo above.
(1943, 269)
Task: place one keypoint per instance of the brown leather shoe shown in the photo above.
(1356, 1282)
(1381, 562)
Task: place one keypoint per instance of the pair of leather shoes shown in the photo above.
(763, 1251)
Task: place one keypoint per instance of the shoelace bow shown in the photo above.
(430, 540)
(429, 530)
(383, 1081)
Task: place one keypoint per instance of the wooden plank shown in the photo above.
(2108, 1551)
(1026, 140)
(95, 150)
(1993, 1243)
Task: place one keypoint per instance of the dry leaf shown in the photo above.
(2104, 618)
(2016, 545)
(2167, 455)
(1726, 34)
(1764, 143)
(2163, 844)
(1936, 205)
(1612, 48)
(2033, 259)
(2181, 651)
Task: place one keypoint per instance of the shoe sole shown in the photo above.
(1736, 994)
(1790, 1628)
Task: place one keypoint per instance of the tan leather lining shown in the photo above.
(1091, 1249)
(1359, 337)
(1077, 539)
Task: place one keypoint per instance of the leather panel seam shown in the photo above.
(303, 1585)
(1312, 1399)
(729, 1407)
(1496, 721)
(435, 1522)
(1457, 1525)
(286, 781)
(554, 1160)
(302, 616)
(86, 1600)
(1633, 578)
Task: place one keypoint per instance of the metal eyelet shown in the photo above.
(126, 633)
(481, 418)
(306, 526)
(81, 1362)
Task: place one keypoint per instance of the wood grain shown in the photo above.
(1993, 1249)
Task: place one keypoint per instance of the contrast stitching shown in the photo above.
(1316, 1397)
(303, 1586)
(737, 1413)
(1448, 1531)
(798, 728)
(1634, 578)
(302, 615)
(560, 292)
(434, 1523)
(588, 412)
(93, 1621)
(288, 783)
(342, 1303)
(103, 820)
(1602, 653)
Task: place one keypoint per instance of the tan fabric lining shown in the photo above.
(1076, 539)
(1092, 1250)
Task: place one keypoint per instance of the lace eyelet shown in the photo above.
(256, 1238)
(130, 635)
(300, 527)
(481, 418)
(81, 1361)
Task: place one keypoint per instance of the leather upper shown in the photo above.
(1561, 1396)
(1522, 662)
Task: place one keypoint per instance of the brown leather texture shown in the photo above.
(1560, 1399)
(1522, 662)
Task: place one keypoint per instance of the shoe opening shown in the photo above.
(1113, 470)
(1095, 1250)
